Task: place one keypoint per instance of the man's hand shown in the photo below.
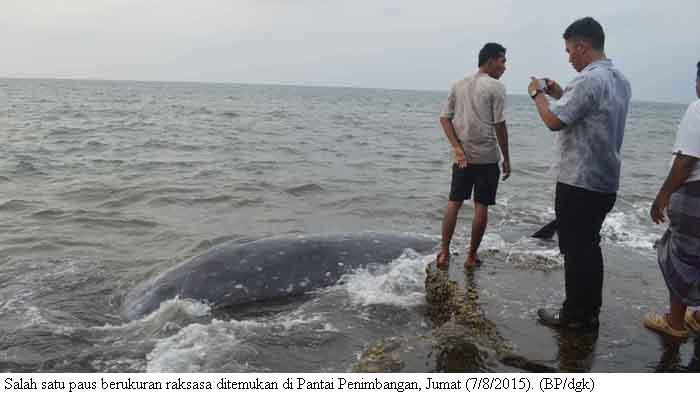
(542, 103)
(553, 89)
(659, 206)
(506, 169)
(460, 157)
(533, 85)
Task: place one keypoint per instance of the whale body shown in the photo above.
(233, 274)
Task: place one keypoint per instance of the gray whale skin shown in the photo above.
(231, 273)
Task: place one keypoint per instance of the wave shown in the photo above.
(222, 198)
(229, 114)
(39, 248)
(198, 348)
(49, 214)
(125, 201)
(207, 173)
(119, 223)
(230, 346)
(25, 167)
(302, 190)
(202, 111)
(400, 283)
(163, 201)
(15, 205)
(529, 253)
(66, 131)
(628, 229)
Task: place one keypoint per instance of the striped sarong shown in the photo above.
(679, 248)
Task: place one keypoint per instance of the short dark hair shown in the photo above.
(698, 73)
(489, 51)
(586, 29)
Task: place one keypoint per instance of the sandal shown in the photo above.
(691, 322)
(446, 262)
(660, 324)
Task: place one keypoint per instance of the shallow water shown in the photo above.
(106, 184)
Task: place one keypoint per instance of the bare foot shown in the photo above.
(472, 262)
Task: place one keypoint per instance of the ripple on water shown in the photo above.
(16, 205)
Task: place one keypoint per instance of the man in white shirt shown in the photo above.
(679, 248)
(473, 121)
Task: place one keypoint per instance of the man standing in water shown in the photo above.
(591, 114)
(475, 126)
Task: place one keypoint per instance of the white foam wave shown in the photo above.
(221, 345)
(197, 348)
(493, 241)
(400, 283)
(630, 229)
(527, 253)
(170, 317)
(170, 310)
(33, 317)
(290, 321)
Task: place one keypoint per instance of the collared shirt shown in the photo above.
(594, 110)
(475, 104)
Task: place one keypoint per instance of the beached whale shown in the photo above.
(231, 273)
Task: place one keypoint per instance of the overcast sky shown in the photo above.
(407, 44)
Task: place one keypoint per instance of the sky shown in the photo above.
(398, 44)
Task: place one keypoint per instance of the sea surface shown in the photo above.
(106, 184)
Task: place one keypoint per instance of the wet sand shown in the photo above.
(491, 325)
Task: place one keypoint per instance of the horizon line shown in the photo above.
(312, 86)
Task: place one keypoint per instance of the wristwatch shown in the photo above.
(535, 92)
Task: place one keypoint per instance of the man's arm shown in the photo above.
(550, 120)
(571, 105)
(449, 130)
(680, 171)
(502, 138)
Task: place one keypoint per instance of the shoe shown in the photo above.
(691, 322)
(558, 320)
(446, 262)
(660, 324)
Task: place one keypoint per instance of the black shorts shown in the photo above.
(482, 177)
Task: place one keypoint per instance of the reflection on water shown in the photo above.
(576, 350)
(670, 360)
(466, 340)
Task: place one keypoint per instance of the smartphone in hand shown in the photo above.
(542, 84)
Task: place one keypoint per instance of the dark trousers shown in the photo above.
(580, 215)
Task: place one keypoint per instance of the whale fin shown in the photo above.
(547, 231)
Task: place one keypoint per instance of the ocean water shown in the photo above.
(106, 184)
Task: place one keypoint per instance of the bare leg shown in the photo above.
(481, 218)
(448, 228)
(676, 318)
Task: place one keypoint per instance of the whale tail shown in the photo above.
(547, 231)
